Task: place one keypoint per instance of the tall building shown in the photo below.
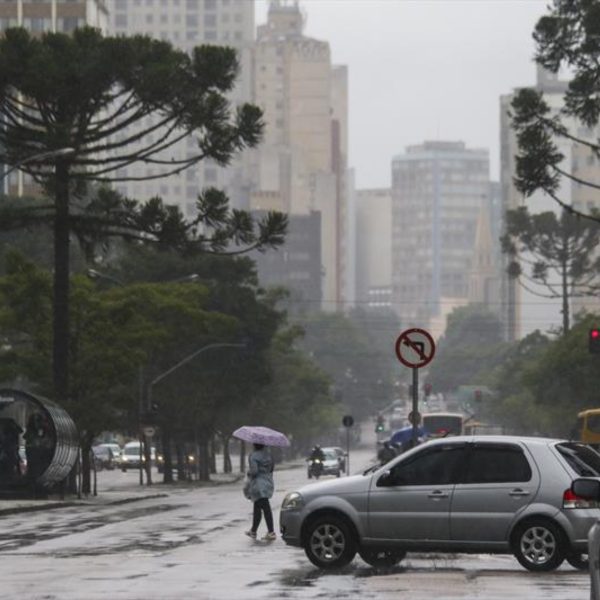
(39, 16)
(187, 24)
(53, 15)
(525, 311)
(302, 163)
(438, 192)
(374, 248)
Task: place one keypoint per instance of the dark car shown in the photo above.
(104, 458)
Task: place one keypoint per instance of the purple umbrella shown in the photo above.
(261, 435)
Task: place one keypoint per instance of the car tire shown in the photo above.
(381, 558)
(329, 542)
(539, 545)
(578, 560)
(338, 474)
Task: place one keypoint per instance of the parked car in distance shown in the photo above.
(103, 458)
(116, 452)
(509, 495)
(130, 457)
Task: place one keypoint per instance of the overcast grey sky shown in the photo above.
(424, 69)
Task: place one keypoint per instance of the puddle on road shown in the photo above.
(48, 531)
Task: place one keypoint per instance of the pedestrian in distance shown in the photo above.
(260, 489)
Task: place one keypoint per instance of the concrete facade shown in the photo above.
(186, 25)
(302, 161)
(438, 191)
(374, 247)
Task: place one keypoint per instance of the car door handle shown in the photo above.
(437, 494)
(518, 492)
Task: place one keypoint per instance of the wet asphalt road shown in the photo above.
(191, 545)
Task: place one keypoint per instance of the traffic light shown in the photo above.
(477, 395)
(427, 389)
(594, 340)
(380, 426)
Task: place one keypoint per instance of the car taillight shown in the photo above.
(571, 500)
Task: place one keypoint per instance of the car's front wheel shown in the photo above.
(329, 542)
(380, 558)
(539, 545)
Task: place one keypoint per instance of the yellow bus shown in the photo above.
(588, 427)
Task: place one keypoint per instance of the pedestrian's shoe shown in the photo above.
(251, 534)
(269, 537)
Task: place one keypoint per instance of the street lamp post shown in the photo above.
(158, 378)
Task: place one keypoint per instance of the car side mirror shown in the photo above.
(586, 488)
(384, 479)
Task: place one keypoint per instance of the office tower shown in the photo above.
(186, 24)
(525, 311)
(39, 16)
(302, 162)
(438, 191)
(374, 248)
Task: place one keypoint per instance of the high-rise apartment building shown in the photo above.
(186, 24)
(438, 192)
(39, 16)
(302, 162)
(53, 15)
(374, 248)
(525, 311)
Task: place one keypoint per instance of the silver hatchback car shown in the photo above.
(483, 494)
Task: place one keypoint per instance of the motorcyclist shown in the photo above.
(317, 453)
(386, 453)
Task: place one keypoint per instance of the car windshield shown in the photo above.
(132, 451)
(581, 458)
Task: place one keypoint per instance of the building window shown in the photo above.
(210, 35)
(210, 20)
(121, 20)
(191, 20)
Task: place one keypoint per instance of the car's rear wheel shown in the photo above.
(578, 560)
(329, 542)
(380, 558)
(539, 545)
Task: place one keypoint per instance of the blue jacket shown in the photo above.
(260, 474)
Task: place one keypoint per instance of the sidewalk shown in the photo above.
(130, 492)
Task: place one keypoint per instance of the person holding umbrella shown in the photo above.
(260, 485)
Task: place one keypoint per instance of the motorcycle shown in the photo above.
(315, 468)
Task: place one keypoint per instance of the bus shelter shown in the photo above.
(38, 441)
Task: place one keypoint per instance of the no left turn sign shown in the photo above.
(415, 348)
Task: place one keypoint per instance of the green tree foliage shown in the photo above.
(115, 101)
(471, 345)
(356, 351)
(559, 254)
(566, 38)
(543, 383)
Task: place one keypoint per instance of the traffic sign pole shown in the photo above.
(415, 405)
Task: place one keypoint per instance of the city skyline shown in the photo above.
(454, 75)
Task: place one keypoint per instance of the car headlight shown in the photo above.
(293, 501)
(191, 458)
(160, 458)
(124, 459)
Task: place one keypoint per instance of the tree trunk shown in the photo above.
(242, 457)
(565, 301)
(147, 444)
(227, 466)
(86, 460)
(166, 452)
(60, 340)
(203, 457)
(213, 455)
(180, 461)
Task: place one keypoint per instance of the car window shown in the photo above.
(431, 466)
(581, 458)
(497, 463)
(132, 450)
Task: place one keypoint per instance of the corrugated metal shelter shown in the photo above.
(38, 441)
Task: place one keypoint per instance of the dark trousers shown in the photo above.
(262, 506)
